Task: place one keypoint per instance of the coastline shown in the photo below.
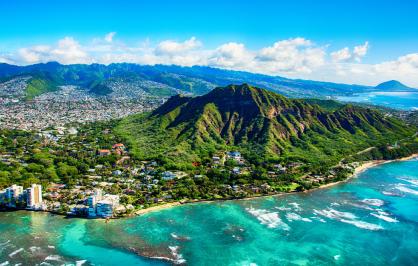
(359, 169)
(363, 167)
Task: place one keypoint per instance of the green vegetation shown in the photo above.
(286, 145)
(38, 85)
(264, 126)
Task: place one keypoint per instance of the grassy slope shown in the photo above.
(38, 86)
(185, 136)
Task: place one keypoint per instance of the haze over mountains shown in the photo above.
(130, 80)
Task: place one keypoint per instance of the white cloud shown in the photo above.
(345, 55)
(69, 51)
(360, 51)
(294, 58)
(170, 47)
(341, 55)
(109, 37)
(291, 56)
(232, 56)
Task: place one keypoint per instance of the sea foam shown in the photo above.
(384, 216)
(271, 219)
(374, 202)
(291, 216)
(347, 217)
(16, 252)
(178, 257)
(405, 189)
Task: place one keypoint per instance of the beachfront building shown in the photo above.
(34, 197)
(106, 206)
(13, 194)
(92, 202)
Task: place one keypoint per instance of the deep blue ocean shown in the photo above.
(397, 100)
(369, 220)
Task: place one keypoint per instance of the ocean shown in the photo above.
(397, 100)
(370, 220)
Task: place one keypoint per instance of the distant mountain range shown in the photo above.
(129, 80)
(258, 122)
(392, 85)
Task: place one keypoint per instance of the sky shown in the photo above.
(348, 41)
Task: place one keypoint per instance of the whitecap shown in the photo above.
(347, 217)
(271, 219)
(16, 252)
(53, 257)
(282, 208)
(409, 180)
(80, 262)
(296, 217)
(334, 214)
(4, 263)
(385, 217)
(363, 225)
(5, 243)
(178, 257)
(34, 249)
(390, 193)
(296, 206)
(406, 189)
(374, 202)
(173, 235)
(337, 257)
(51, 247)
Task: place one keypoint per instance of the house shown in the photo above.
(118, 146)
(167, 175)
(280, 168)
(234, 155)
(117, 172)
(236, 170)
(104, 152)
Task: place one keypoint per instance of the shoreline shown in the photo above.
(358, 170)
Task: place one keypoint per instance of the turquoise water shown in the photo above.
(398, 100)
(370, 220)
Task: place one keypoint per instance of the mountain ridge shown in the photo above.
(258, 122)
(195, 80)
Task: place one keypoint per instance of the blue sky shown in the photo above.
(388, 27)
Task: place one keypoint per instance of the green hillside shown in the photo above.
(263, 125)
(38, 86)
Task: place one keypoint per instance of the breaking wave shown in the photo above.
(414, 182)
(271, 219)
(291, 216)
(363, 225)
(384, 216)
(16, 252)
(374, 202)
(347, 217)
(178, 257)
(405, 189)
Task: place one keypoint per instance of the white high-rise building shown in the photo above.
(13, 194)
(34, 193)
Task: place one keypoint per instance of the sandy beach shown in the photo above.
(157, 208)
